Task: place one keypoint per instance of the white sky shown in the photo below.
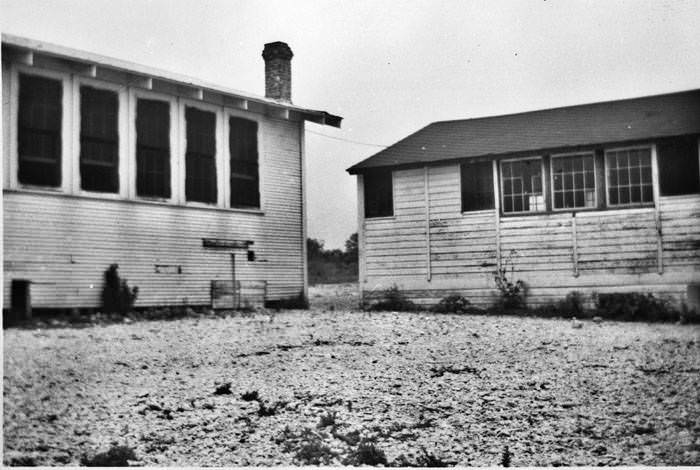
(390, 67)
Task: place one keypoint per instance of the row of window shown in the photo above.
(585, 180)
(39, 145)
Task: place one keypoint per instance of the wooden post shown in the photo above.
(233, 279)
(361, 235)
(574, 243)
(426, 184)
(497, 205)
(657, 212)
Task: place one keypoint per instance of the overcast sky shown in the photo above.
(390, 67)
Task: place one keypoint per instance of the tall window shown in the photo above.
(243, 144)
(153, 148)
(378, 193)
(678, 166)
(200, 158)
(573, 181)
(99, 146)
(629, 176)
(39, 131)
(522, 185)
(477, 186)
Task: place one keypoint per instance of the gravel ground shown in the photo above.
(459, 388)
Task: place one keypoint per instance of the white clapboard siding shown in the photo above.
(64, 243)
(401, 236)
(616, 250)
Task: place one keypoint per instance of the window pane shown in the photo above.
(99, 146)
(569, 199)
(152, 148)
(477, 186)
(678, 166)
(574, 180)
(39, 131)
(629, 180)
(200, 158)
(243, 146)
(378, 193)
(558, 200)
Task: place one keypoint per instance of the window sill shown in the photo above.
(113, 198)
(380, 218)
(583, 211)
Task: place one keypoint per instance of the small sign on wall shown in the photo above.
(226, 243)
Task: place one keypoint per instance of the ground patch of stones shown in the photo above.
(256, 390)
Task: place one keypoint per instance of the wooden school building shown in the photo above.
(601, 197)
(191, 188)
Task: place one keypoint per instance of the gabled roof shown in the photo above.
(26, 50)
(571, 126)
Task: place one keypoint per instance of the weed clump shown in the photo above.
(393, 300)
(116, 456)
(329, 419)
(505, 457)
(366, 453)
(250, 396)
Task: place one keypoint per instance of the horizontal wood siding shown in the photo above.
(395, 246)
(616, 250)
(64, 243)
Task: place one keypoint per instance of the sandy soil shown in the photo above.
(459, 388)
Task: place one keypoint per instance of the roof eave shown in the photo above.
(23, 49)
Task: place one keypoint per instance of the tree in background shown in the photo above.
(332, 266)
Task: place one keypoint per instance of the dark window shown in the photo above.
(522, 186)
(629, 177)
(378, 194)
(243, 144)
(200, 158)
(678, 166)
(477, 186)
(153, 148)
(99, 140)
(573, 179)
(39, 131)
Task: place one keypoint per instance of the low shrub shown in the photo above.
(393, 300)
(117, 296)
(572, 305)
(453, 304)
(634, 306)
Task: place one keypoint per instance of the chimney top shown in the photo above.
(277, 50)
(278, 71)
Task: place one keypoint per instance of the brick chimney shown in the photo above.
(278, 71)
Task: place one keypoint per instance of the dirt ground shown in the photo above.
(457, 388)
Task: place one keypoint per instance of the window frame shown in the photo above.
(12, 167)
(134, 95)
(393, 198)
(589, 153)
(226, 166)
(654, 179)
(183, 104)
(545, 209)
(122, 140)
